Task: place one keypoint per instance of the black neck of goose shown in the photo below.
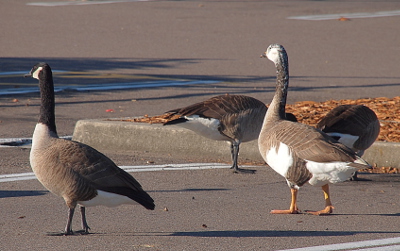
(47, 107)
(282, 83)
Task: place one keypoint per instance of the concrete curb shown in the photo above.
(131, 136)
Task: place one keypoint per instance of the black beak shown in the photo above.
(27, 75)
(264, 55)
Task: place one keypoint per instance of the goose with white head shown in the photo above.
(298, 152)
(74, 171)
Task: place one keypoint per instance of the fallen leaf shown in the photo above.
(344, 19)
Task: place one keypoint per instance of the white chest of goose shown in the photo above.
(75, 171)
(298, 152)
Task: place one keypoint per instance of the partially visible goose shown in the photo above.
(233, 118)
(75, 171)
(298, 152)
(355, 126)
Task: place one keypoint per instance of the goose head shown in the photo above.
(274, 53)
(38, 71)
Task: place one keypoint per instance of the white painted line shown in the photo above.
(348, 15)
(130, 169)
(174, 167)
(380, 244)
(384, 248)
(55, 4)
(16, 142)
(17, 177)
(109, 86)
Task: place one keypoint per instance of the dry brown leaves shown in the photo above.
(158, 119)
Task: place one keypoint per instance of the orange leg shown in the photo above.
(293, 205)
(328, 204)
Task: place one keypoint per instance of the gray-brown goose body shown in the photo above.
(75, 171)
(355, 126)
(232, 118)
(298, 152)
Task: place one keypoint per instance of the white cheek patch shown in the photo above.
(36, 73)
(107, 199)
(280, 160)
(273, 55)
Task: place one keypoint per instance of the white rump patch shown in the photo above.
(279, 160)
(206, 127)
(332, 172)
(346, 139)
(107, 199)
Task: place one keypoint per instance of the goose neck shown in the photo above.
(277, 108)
(47, 103)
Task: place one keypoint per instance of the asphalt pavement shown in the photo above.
(218, 42)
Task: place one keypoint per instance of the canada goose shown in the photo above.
(355, 126)
(233, 118)
(298, 152)
(75, 171)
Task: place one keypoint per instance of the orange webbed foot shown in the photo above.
(289, 211)
(328, 210)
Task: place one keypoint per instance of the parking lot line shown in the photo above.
(390, 244)
(347, 15)
(130, 169)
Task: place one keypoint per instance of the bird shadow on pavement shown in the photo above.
(395, 214)
(189, 190)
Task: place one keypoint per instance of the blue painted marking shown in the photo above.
(108, 86)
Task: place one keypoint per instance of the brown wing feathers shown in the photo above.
(217, 107)
(303, 143)
(103, 174)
